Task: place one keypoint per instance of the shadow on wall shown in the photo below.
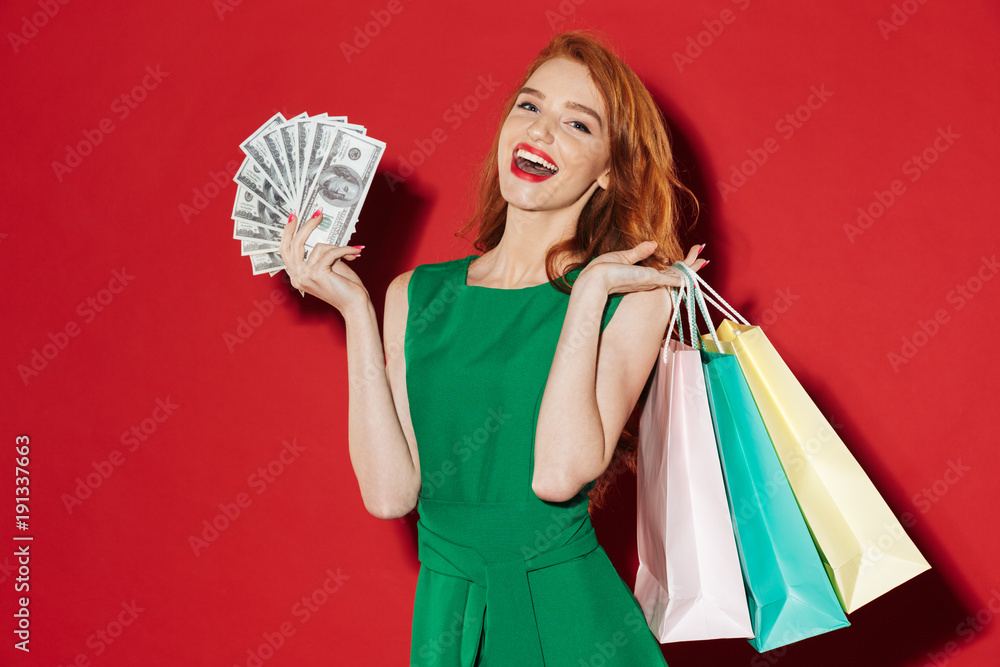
(908, 625)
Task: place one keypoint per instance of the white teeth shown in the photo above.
(536, 159)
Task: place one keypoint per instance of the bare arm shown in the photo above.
(595, 380)
(381, 443)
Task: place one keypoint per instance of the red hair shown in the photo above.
(641, 203)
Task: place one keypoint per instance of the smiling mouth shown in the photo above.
(533, 164)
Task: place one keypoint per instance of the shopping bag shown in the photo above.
(689, 583)
(864, 548)
(788, 590)
(863, 545)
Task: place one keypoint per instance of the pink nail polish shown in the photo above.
(701, 248)
(359, 247)
(291, 216)
(318, 212)
(706, 263)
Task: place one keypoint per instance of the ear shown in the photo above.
(604, 180)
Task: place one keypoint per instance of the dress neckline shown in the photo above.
(465, 279)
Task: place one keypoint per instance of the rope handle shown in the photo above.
(679, 296)
(697, 298)
(690, 293)
(725, 308)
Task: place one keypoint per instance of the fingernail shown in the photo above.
(706, 263)
(701, 248)
(291, 216)
(359, 247)
(318, 212)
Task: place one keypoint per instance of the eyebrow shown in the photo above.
(576, 106)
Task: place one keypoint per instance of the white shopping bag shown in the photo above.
(689, 583)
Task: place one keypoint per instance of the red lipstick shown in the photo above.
(521, 173)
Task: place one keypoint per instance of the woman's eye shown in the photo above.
(580, 126)
(528, 105)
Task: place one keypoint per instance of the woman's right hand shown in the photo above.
(323, 274)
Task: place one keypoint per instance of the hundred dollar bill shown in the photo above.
(251, 208)
(279, 148)
(256, 247)
(321, 138)
(272, 142)
(246, 231)
(252, 177)
(289, 138)
(266, 262)
(256, 148)
(302, 127)
(306, 128)
(341, 183)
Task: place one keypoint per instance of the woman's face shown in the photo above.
(553, 150)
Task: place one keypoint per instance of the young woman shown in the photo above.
(508, 377)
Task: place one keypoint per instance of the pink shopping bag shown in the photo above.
(689, 583)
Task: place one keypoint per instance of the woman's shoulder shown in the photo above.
(428, 273)
(642, 310)
(443, 267)
(448, 271)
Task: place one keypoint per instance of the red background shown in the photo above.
(835, 305)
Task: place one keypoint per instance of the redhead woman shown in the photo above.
(502, 410)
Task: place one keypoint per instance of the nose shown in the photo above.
(540, 129)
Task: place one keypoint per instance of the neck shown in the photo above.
(519, 258)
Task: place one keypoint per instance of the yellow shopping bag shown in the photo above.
(864, 548)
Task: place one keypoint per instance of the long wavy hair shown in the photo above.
(642, 202)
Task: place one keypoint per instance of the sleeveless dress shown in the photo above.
(506, 578)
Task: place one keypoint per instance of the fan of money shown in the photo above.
(298, 165)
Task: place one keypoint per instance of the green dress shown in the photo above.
(505, 578)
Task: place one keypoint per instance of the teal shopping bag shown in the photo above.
(788, 590)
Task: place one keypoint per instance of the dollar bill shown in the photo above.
(321, 138)
(341, 184)
(302, 128)
(252, 177)
(297, 165)
(266, 262)
(280, 148)
(246, 231)
(250, 208)
(306, 131)
(289, 134)
(256, 247)
(323, 133)
(256, 148)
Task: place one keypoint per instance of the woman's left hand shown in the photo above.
(616, 272)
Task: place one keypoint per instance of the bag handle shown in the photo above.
(678, 298)
(725, 308)
(690, 294)
(697, 298)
